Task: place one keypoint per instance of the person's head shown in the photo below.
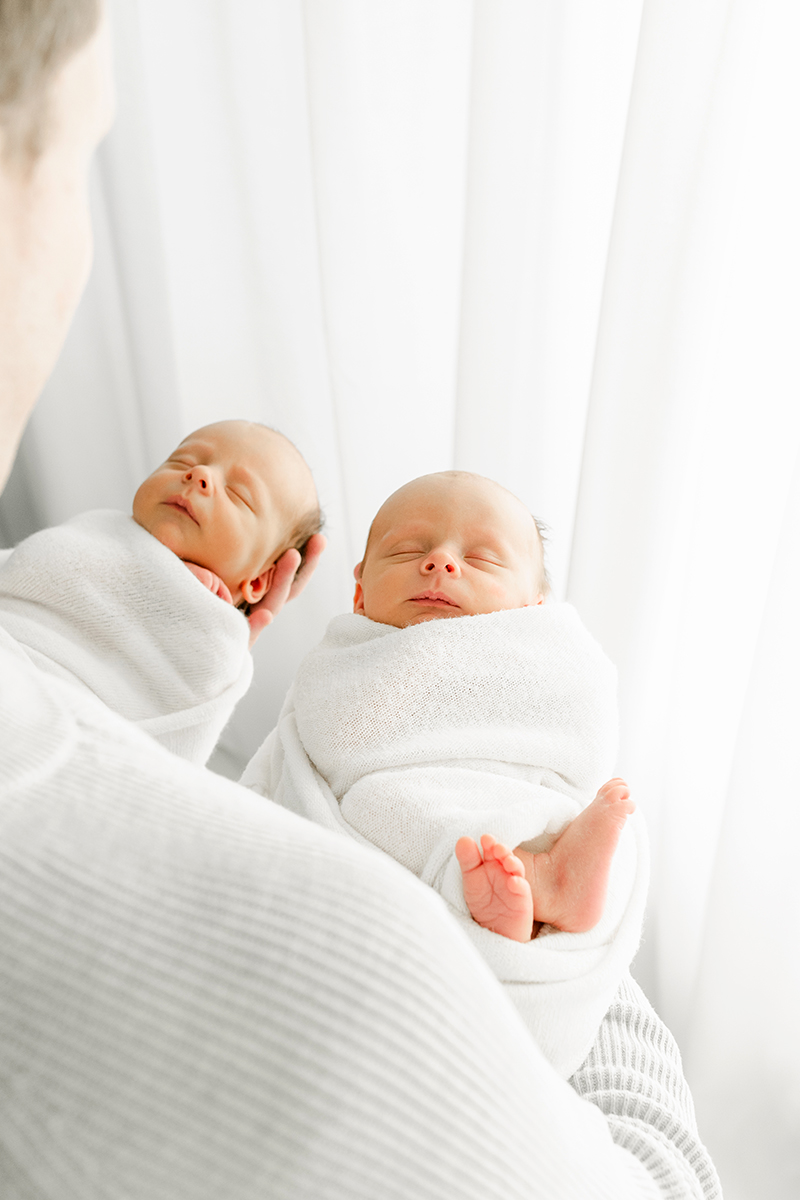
(232, 498)
(55, 105)
(449, 545)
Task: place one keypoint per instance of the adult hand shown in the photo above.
(287, 582)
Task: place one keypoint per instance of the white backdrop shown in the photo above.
(553, 241)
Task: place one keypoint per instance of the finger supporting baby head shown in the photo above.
(232, 497)
(450, 544)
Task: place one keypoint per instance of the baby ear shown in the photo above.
(254, 590)
(358, 598)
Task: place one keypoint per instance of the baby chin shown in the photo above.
(439, 614)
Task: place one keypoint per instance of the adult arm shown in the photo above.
(635, 1077)
(202, 995)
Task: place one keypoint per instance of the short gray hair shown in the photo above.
(36, 38)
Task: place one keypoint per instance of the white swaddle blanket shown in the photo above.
(503, 723)
(100, 602)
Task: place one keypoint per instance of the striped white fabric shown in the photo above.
(634, 1075)
(202, 995)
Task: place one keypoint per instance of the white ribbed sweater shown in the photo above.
(203, 996)
(634, 1075)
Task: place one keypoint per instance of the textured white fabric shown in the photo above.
(202, 996)
(501, 723)
(100, 602)
(635, 1076)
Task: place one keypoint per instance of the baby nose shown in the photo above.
(198, 475)
(440, 560)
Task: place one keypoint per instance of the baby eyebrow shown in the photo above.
(412, 539)
(193, 450)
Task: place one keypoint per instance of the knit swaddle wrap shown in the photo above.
(501, 723)
(101, 603)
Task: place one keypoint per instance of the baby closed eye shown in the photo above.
(240, 497)
(481, 561)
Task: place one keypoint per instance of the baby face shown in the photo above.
(228, 499)
(449, 545)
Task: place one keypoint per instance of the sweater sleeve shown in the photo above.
(635, 1077)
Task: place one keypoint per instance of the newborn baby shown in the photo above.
(108, 603)
(417, 733)
(453, 546)
(229, 501)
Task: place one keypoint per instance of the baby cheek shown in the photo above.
(504, 594)
(145, 502)
(141, 508)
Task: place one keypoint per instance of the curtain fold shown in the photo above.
(549, 98)
(743, 1051)
(645, 453)
(554, 243)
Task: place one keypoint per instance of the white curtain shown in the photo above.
(552, 241)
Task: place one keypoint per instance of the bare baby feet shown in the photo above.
(495, 888)
(569, 883)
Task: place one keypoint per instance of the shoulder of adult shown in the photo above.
(178, 954)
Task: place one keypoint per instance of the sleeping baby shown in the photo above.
(131, 608)
(455, 714)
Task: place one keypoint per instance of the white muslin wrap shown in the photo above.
(503, 723)
(101, 603)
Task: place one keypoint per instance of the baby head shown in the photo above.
(232, 498)
(449, 545)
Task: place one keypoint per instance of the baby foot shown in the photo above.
(497, 894)
(569, 883)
